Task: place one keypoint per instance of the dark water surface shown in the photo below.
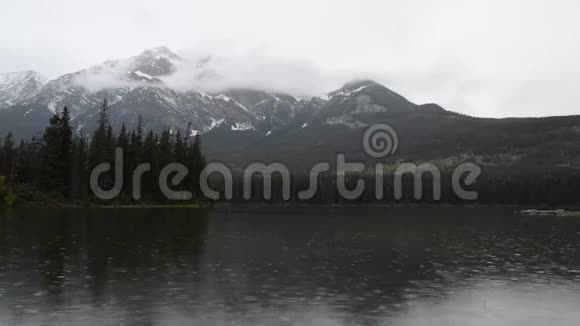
(288, 266)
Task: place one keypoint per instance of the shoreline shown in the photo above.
(540, 210)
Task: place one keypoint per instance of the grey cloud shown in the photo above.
(487, 58)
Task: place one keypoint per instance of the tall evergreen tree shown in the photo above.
(52, 178)
(79, 173)
(196, 165)
(102, 147)
(66, 135)
(60, 161)
(8, 158)
(123, 142)
(149, 156)
(98, 142)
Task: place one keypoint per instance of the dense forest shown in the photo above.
(539, 186)
(55, 166)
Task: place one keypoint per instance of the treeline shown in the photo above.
(56, 165)
(515, 185)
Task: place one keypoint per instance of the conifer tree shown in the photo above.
(52, 178)
(59, 161)
(8, 161)
(66, 135)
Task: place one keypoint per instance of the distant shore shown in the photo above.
(554, 212)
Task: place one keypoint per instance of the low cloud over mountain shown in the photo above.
(244, 120)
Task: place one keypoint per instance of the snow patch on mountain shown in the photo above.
(345, 120)
(215, 123)
(350, 92)
(144, 75)
(19, 86)
(243, 126)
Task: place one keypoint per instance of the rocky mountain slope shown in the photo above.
(425, 133)
(136, 87)
(247, 125)
(19, 86)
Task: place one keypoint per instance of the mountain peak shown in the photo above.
(354, 87)
(160, 52)
(155, 62)
(355, 84)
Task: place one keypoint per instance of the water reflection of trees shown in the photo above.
(140, 267)
(114, 259)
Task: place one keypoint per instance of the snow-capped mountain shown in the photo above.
(141, 86)
(137, 86)
(111, 80)
(19, 86)
(257, 125)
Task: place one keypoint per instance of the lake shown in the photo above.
(251, 265)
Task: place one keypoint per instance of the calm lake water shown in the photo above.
(288, 266)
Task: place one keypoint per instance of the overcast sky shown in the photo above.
(486, 58)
